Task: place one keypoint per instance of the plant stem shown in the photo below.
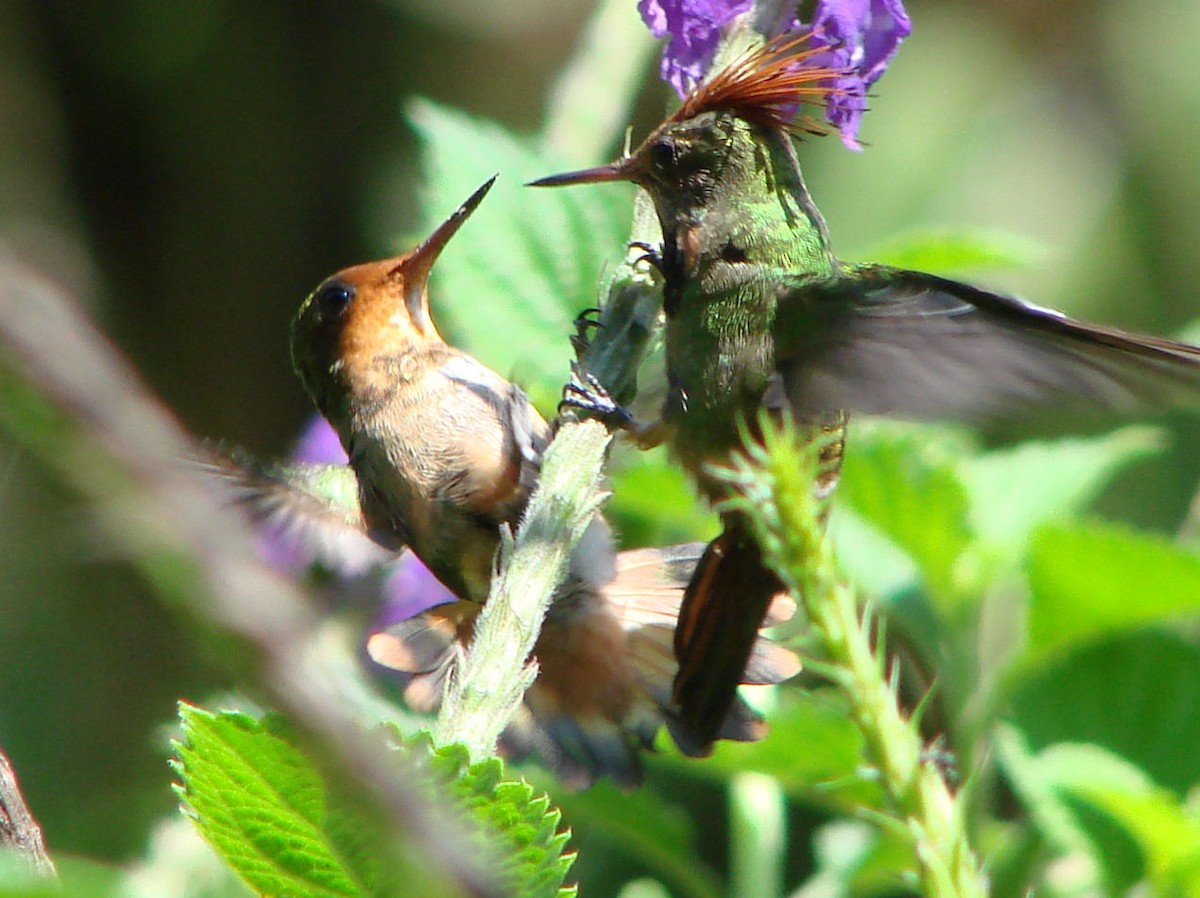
(775, 485)
(487, 687)
(19, 831)
(758, 836)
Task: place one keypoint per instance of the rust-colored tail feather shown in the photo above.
(725, 604)
(607, 664)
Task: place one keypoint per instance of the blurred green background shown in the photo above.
(191, 170)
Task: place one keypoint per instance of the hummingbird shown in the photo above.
(760, 314)
(443, 454)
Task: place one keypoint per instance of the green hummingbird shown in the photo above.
(443, 453)
(761, 314)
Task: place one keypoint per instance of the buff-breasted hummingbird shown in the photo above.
(443, 453)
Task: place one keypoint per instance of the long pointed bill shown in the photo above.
(414, 267)
(614, 171)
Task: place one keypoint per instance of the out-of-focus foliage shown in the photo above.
(193, 169)
(287, 830)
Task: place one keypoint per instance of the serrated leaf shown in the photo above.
(1088, 581)
(511, 283)
(265, 808)
(1014, 490)
(521, 820)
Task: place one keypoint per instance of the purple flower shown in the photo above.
(862, 37)
(410, 589)
(319, 444)
(694, 28)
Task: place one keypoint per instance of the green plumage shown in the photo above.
(761, 314)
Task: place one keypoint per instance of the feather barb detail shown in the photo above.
(767, 85)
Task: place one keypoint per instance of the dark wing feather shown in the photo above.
(910, 345)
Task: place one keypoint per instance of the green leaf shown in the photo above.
(1088, 581)
(875, 564)
(1167, 831)
(812, 743)
(853, 858)
(512, 281)
(1014, 490)
(1103, 856)
(1086, 797)
(264, 807)
(1134, 694)
(955, 252)
(903, 483)
(519, 820)
(653, 504)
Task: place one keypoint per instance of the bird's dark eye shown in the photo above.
(332, 298)
(663, 155)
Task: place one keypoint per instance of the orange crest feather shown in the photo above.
(766, 85)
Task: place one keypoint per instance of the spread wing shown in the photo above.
(312, 506)
(886, 341)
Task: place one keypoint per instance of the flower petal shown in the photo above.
(862, 36)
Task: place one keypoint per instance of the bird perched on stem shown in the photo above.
(443, 454)
(760, 313)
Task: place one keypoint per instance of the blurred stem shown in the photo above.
(589, 104)
(758, 836)
(73, 401)
(19, 831)
(773, 481)
(485, 690)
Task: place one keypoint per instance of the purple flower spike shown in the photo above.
(862, 36)
(693, 28)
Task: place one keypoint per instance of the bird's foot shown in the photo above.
(587, 396)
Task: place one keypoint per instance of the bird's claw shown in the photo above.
(651, 255)
(584, 323)
(584, 393)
